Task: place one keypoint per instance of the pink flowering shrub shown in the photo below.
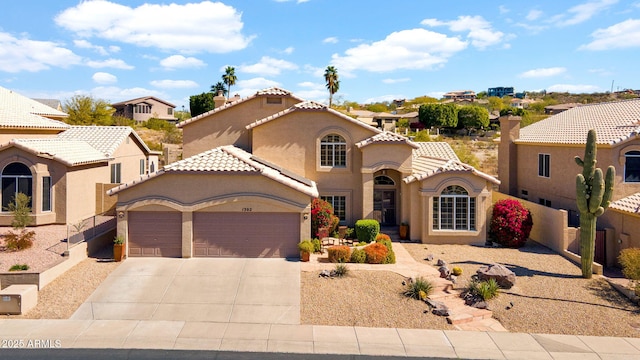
(511, 223)
(322, 217)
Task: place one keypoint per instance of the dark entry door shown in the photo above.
(384, 204)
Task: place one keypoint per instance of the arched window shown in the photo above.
(333, 151)
(454, 210)
(632, 166)
(383, 180)
(16, 178)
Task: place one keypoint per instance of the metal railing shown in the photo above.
(88, 229)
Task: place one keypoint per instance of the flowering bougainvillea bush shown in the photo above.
(322, 217)
(511, 223)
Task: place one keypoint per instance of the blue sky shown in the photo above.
(121, 49)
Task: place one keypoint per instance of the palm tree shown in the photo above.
(333, 84)
(229, 77)
(215, 89)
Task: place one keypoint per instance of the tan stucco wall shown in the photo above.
(227, 127)
(81, 190)
(626, 228)
(129, 154)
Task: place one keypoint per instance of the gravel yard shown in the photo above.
(46, 251)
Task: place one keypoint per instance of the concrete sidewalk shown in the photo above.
(309, 339)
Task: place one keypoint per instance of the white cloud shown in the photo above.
(174, 84)
(193, 27)
(601, 72)
(251, 86)
(309, 84)
(543, 72)
(395, 81)
(583, 12)
(115, 94)
(84, 44)
(619, 36)
(30, 55)
(181, 62)
(503, 9)
(109, 63)
(573, 88)
(330, 40)
(533, 15)
(288, 50)
(480, 31)
(104, 78)
(406, 49)
(268, 66)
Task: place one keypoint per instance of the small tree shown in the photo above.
(322, 216)
(473, 117)
(438, 115)
(21, 211)
(511, 223)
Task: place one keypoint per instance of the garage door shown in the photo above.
(155, 233)
(249, 235)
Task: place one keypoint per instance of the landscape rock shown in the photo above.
(480, 305)
(441, 263)
(438, 308)
(444, 271)
(503, 276)
(429, 257)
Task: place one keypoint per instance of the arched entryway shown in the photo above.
(385, 197)
(16, 178)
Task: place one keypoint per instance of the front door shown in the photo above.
(384, 206)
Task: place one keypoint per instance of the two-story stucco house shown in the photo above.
(252, 167)
(143, 108)
(537, 162)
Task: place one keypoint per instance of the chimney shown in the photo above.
(508, 154)
(219, 99)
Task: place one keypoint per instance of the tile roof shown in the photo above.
(141, 99)
(105, 139)
(629, 204)
(435, 149)
(23, 120)
(229, 159)
(614, 123)
(425, 167)
(273, 91)
(13, 102)
(387, 137)
(310, 106)
(68, 152)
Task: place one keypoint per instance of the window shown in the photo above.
(454, 210)
(16, 178)
(544, 202)
(333, 151)
(632, 166)
(46, 193)
(142, 167)
(339, 205)
(524, 194)
(169, 111)
(274, 100)
(383, 180)
(543, 165)
(115, 173)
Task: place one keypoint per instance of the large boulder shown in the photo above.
(503, 276)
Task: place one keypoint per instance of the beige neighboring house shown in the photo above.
(253, 166)
(143, 108)
(537, 163)
(460, 95)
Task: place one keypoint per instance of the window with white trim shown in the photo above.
(16, 178)
(543, 165)
(339, 204)
(454, 209)
(116, 173)
(632, 166)
(333, 151)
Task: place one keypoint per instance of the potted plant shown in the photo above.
(306, 248)
(404, 231)
(118, 248)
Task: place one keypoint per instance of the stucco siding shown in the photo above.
(81, 191)
(128, 154)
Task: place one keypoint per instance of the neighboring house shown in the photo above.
(521, 103)
(460, 95)
(253, 166)
(501, 91)
(144, 108)
(556, 109)
(53, 103)
(537, 162)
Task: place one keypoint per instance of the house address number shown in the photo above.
(247, 209)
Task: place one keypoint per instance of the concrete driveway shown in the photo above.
(259, 291)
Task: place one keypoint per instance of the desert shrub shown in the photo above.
(322, 216)
(158, 124)
(348, 234)
(21, 211)
(418, 289)
(487, 290)
(511, 223)
(339, 253)
(630, 261)
(457, 271)
(341, 270)
(19, 267)
(376, 253)
(367, 230)
(362, 243)
(386, 243)
(306, 246)
(358, 256)
(16, 241)
(317, 245)
(382, 236)
(390, 258)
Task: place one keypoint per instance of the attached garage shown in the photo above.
(155, 233)
(246, 234)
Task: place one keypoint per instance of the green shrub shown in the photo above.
(382, 236)
(367, 230)
(348, 234)
(376, 253)
(306, 246)
(391, 257)
(16, 241)
(487, 290)
(21, 210)
(341, 270)
(456, 271)
(386, 243)
(419, 289)
(118, 240)
(358, 256)
(362, 243)
(158, 124)
(317, 245)
(19, 267)
(339, 253)
(630, 261)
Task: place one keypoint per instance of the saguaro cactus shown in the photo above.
(593, 196)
